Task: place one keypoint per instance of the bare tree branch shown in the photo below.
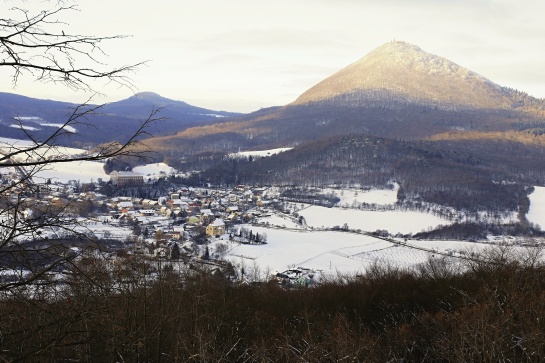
(37, 44)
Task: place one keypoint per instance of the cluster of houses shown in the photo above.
(181, 221)
(185, 214)
(198, 210)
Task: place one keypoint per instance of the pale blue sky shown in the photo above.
(241, 55)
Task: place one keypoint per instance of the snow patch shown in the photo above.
(212, 114)
(66, 127)
(27, 118)
(536, 213)
(157, 169)
(29, 128)
(261, 153)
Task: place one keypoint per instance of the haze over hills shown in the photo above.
(114, 121)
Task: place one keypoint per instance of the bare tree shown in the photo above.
(37, 44)
(32, 228)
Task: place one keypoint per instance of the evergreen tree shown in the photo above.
(175, 252)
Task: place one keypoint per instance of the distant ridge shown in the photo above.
(115, 122)
(399, 71)
(143, 102)
(153, 97)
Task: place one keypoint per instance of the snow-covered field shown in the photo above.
(10, 145)
(84, 171)
(103, 230)
(334, 252)
(4, 142)
(373, 196)
(536, 214)
(87, 171)
(393, 221)
(280, 221)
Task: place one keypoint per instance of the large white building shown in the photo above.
(122, 178)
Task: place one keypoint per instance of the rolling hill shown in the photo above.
(113, 122)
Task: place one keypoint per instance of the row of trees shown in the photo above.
(247, 235)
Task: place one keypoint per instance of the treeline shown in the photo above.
(309, 195)
(247, 236)
(472, 231)
(489, 308)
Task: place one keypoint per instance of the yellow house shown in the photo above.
(216, 228)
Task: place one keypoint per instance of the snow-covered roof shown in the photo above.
(124, 173)
(146, 211)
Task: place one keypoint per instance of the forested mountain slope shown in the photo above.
(458, 174)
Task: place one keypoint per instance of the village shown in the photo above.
(245, 233)
(187, 225)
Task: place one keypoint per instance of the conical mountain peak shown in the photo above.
(403, 72)
(412, 58)
(147, 94)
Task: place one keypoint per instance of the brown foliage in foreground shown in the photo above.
(441, 312)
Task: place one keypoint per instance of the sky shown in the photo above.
(243, 55)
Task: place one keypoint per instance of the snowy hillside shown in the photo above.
(154, 170)
(258, 153)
